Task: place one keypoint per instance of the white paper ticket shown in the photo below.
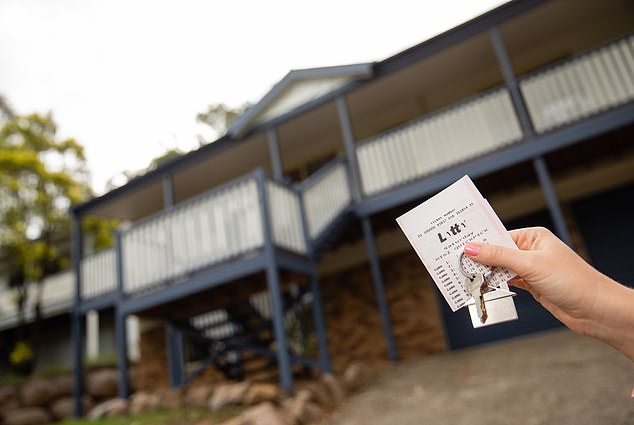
(440, 227)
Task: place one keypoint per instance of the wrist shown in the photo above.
(611, 319)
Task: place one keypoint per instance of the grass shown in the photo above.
(160, 417)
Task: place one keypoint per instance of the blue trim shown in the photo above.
(552, 200)
(100, 302)
(212, 278)
(293, 262)
(486, 164)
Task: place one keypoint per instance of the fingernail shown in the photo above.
(472, 249)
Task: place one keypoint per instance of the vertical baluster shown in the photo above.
(625, 86)
(626, 69)
(604, 78)
(597, 99)
(528, 90)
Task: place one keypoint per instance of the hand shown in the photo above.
(581, 297)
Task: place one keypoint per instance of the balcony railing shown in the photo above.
(98, 274)
(582, 86)
(214, 227)
(286, 218)
(326, 195)
(437, 141)
(57, 297)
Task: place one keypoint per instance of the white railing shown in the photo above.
(198, 233)
(57, 296)
(99, 273)
(581, 87)
(445, 138)
(325, 196)
(286, 219)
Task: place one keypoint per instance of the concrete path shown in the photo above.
(550, 378)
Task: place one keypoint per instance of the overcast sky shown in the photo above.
(127, 78)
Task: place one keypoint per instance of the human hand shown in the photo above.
(578, 295)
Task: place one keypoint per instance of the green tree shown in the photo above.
(219, 117)
(41, 176)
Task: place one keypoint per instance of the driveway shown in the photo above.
(550, 378)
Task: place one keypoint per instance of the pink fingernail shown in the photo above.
(472, 249)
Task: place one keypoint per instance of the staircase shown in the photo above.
(238, 340)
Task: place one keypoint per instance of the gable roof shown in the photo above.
(297, 88)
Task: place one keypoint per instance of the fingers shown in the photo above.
(495, 255)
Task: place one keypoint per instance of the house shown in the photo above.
(282, 233)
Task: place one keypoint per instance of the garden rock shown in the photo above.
(302, 409)
(142, 402)
(262, 414)
(102, 383)
(171, 399)
(8, 398)
(37, 392)
(334, 387)
(26, 416)
(355, 376)
(198, 397)
(227, 395)
(109, 408)
(259, 393)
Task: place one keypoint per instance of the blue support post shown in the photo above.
(511, 83)
(77, 327)
(320, 323)
(351, 153)
(121, 331)
(318, 314)
(274, 152)
(552, 200)
(379, 288)
(273, 282)
(175, 355)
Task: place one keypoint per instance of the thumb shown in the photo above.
(496, 255)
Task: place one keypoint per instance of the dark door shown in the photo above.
(606, 223)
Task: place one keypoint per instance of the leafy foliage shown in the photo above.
(40, 177)
(219, 116)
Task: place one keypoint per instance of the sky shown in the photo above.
(127, 78)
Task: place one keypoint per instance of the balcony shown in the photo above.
(220, 226)
(232, 222)
(558, 95)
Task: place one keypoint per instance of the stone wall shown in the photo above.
(354, 325)
(44, 400)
